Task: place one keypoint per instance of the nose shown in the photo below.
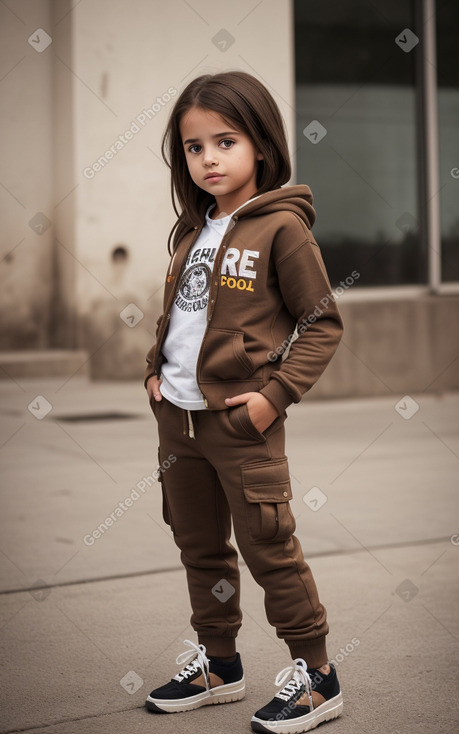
(210, 158)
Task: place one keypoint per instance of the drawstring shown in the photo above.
(190, 424)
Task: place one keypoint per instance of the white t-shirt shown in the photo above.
(189, 318)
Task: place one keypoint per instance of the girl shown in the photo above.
(245, 274)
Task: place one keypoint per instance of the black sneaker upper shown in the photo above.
(228, 672)
(182, 686)
(285, 708)
(326, 685)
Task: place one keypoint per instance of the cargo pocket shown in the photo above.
(267, 491)
(166, 511)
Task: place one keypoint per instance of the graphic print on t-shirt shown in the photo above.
(193, 290)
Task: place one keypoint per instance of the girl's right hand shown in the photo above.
(153, 384)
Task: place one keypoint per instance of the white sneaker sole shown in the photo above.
(325, 712)
(220, 694)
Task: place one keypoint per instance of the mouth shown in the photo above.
(213, 177)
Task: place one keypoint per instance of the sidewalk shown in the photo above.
(92, 620)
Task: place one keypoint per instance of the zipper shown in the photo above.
(169, 270)
(167, 310)
(213, 291)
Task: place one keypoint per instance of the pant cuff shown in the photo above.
(219, 647)
(314, 652)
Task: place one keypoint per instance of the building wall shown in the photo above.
(394, 346)
(107, 82)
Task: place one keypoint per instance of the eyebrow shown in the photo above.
(218, 135)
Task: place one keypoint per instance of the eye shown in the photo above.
(227, 143)
(192, 148)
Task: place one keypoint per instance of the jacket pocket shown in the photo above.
(165, 504)
(267, 491)
(224, 356)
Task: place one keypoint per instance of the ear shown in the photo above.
(260, 156)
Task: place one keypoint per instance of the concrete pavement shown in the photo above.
(91, 621)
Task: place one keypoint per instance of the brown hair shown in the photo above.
(244, 102)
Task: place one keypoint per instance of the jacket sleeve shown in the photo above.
(151, 356)
(306, 293)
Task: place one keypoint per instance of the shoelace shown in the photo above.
(194, 659)
(298, 679)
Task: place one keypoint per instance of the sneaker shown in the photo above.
(291, 711)
(196, 685)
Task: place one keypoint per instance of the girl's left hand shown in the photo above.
(261, 411)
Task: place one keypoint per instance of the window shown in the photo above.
(447, 21)
(360, 138)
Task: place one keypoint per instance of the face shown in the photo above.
(221, 159)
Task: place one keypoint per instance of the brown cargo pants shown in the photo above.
(230, 470)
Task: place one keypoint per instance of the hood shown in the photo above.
(296, 199)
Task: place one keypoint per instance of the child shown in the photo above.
(245, 273)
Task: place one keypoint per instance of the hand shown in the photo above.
(153, 384)
(261, 411)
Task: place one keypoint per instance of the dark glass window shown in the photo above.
(447, 17)
(356, 84)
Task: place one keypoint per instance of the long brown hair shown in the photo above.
(243, 101)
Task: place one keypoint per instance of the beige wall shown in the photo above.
(26, 93)
(129, 55)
